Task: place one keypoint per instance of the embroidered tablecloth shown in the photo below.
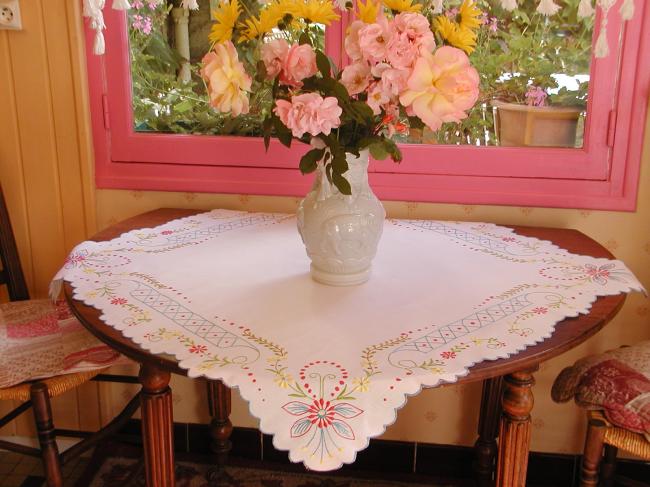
(326, 368)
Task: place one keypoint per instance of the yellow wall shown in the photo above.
(45, 169)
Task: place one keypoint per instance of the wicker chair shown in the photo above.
(598, 468)
(614, 387)
(37, 393)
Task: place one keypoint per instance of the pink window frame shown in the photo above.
(602, 175)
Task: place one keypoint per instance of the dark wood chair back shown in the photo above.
(12, 272)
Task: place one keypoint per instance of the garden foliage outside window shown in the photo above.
(534, 69)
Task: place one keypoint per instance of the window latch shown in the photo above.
(611, 128)
(107, 123)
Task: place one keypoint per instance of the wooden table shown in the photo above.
(506, 403)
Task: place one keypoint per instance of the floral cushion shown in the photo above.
(617, 381)
(41, 339)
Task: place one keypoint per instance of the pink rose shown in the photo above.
(309, 113)
(441, 87)
(355, 77)
(300, 63)
(415, 27)
(411, 36)
(274, 54)
(373, 40)
(393, 81)
(352, 40)
(401, 52)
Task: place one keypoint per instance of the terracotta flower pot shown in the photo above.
(524, 125)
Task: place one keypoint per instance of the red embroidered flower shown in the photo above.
(448, 355)
(540, 310)
(166, 232)
(119, 301)
(200, 349)
(74, 259)
(600, 274)
(508, 239)
(323, 414)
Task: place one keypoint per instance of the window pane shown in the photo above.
(534, 72)
(168, 92)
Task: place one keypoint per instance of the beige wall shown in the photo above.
(45, 169)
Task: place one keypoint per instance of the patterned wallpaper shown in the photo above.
(449, 414)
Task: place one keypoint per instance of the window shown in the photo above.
(594, 163)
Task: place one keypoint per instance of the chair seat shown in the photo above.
(625, 440)
(40, 339)
(616, 382)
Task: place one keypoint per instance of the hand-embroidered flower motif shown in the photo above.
(283, 380)
(540, 310)
(166, 232)
(119, 301)
(199, 349)
(448, 355)
(599, 275)
(362, 384)
(323, 414)
(74, 259)
(508, 239)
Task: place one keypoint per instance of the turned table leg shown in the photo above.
(157, 432)
(488, 428)
(220, 426)
(514, 432)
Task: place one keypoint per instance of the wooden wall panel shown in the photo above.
(46, 161)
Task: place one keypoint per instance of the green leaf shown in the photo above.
(341, 184)
(378, 151)
(304, 39)
(363, 111)
(339, 162)
(282, 132)
(309, 162)
(183, 106)
(267, 126)
(323, 63)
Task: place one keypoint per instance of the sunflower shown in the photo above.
(314, 11)
(225, 15)
(402, 5)
(469, 15)
(368, 12)
(451, 32)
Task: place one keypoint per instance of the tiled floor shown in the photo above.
(18, 470)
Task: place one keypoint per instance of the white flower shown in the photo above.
(190, 4)
(585, 9)
(437, 6)
(547, 7)
(509, 4)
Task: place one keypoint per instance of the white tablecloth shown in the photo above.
(326, 368)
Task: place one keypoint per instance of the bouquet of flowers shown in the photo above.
(403, 72)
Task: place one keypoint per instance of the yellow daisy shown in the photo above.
(226, 16)
(368, 12)
(456, 36)
(254, 27)
(314, 11)
(469, 15)
(402, 5)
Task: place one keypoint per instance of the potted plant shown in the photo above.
(539, 90)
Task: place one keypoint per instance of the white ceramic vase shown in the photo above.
(341, 232)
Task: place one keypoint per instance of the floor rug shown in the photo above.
(122, 465)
